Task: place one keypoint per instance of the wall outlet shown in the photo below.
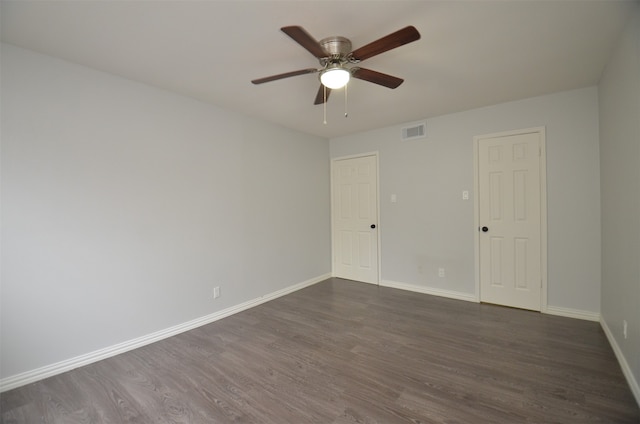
(441, 272)
(624, 328)
(216, 292)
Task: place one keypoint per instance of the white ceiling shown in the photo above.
(471, 54)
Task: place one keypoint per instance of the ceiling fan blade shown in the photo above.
(377, 77)
(285, 75)
(391, 41)
(320, 98)
(303, 38)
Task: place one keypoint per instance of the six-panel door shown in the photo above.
(355, 242)
(509, 212)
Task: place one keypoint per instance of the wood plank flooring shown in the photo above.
(347, 352)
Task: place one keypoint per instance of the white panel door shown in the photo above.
(509, 202)
(355, 219)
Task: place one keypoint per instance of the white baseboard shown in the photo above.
(626, 370)
(572, 313)
(551, 310)
(28, 377)
(429, 290)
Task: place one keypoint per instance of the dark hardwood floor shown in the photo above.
(347, 352)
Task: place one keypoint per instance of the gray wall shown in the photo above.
(619, 92)
(430, 226)
(124, 205)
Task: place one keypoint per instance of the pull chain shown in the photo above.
(324, 104)
(346, 113)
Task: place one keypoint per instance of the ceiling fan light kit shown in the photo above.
(335, 54)
(335, 77)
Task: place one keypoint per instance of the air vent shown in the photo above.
(414, 132)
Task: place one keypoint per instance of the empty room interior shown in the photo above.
(200, 224)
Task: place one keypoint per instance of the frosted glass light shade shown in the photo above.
(335, 78)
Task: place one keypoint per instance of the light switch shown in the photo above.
(394, 199)
(465, 195)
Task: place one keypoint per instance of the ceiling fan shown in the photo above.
(335, 56)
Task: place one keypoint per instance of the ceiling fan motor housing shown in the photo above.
(336, 46)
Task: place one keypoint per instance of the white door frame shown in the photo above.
(543, 207)
(333, 241)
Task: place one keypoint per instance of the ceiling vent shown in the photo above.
(414, 132)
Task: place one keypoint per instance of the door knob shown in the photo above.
(373, 225)
(485, 229)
